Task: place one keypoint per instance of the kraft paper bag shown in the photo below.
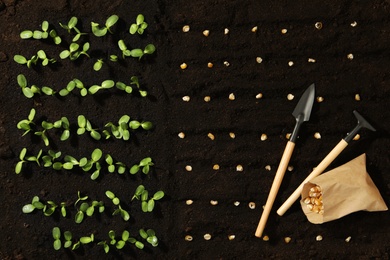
(341, 191)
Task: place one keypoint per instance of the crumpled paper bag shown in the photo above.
(345, 189)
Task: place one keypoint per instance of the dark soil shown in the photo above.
(337, 79)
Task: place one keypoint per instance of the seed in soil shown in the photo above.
(284, 31)
(288, 135)
(348, 239)
(188, 168)
(311, 60)
(207, 99)
(188, 238)
(350, 56)
(357, 97)
(268, 167)
(206, 33)
(210, 65)
(232, 135)
(259, 60)
(236, 203)
(320, 99)
(215, 167)
(181, 135)
(354, 24)
(186, 98)
(231, 237)
(252, 205)
(265, 238)
(186, 28)
(356, 137)
(318, 25)
(290, 63)
(290, 168)
(231, 96)
(263, 137)
(189, 202)
(207, 236)
(254, 29)
(226, 63)
(317, 135)
(319, 238)
(214, 202)
(260, 95)
(226, 31)
(287, 240)
(183, 66)
(239, 168)
(211, 136)
(290, 96)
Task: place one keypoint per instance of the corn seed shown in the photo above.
(265, 238)
(207, 98)
(357, 137)
(226, 31)
(231, 237)
(348, 239)
(188, 168)
(215, 167)
(188, 238)
(290, 96)
(357, 97)
(259, 60)
(214, 202)
(290, 63)
(211, 136)
(207, 236)
(186, 98)
(236, 203)
(311, 60)
(319, 238)
(287, 240)
(231, 96)
(284, 31)
(350, 56)
(263, 137)
(186, 28)
(258, 96)
(181, 135)
(353, 24)
(252, 205)
(320, 99)
(317, 135)
(268, 167)
(318, 25)
(183, 66)
(189, 202)
(254, 29)
(206, 33)
(210, 65)
(232, 135)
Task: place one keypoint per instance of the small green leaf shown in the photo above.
(72, 22)
(79, 217)
(65, 135)
(26, 34)
(134, 124)
(147, 125)
(151, 205)
(136, 53)
(67, 166)
(48, 91)
(111, 20)
(125, 235)
(37, 35)
(111, 234)
(22, 81)
(28, 208)
(139, 245)
(63, 211)
(125, 215)
(108, 84)
(133, 28)
(149, 49)
(140, 19)
(83, 92)
(57, 166)
(90, 211)
(64, 54)
(134, 169)
(158, 195)
(86, 240)
(95, 135)
(110, 194)
(93, 89)
(76, 245)
(57, 244)
(63, 92)
(37, 204)
(115, 201)
(20, 59)
(68, 244)
(143, 233)
(56, 233)
(144, 206)
(120, 244)
(97, 65)
(95, 175)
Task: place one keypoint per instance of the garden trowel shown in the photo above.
(302, 114)
(362, 123)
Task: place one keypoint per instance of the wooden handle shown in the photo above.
(317, 171)
(275, 187)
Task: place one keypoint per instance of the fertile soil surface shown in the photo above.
(319, 55)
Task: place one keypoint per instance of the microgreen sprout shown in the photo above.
(50, 157)
(28, 92)
(144, 164)
(25, 124)
(113, 58)
(63, 123)
(136, 53)
(129, 89)
(63, 209)
(85, 125)
(87, 240)
(147, 204)
(139, 26)
(105, 246)
(46, 126)
(35, 158)
(35, 204)
(56, 232)
(19, 165)
(68, 239)
(75, 83)
(115, 200)
(72, 25)
(98, 65)
(101, 31)
(73, 53)
(27, 34)
(150, 236)
(23, 60)
(45, 60)
(49, 209)
(107, 84)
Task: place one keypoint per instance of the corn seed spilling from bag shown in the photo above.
(314, 200)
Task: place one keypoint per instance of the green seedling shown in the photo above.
(111, 235)
(28, 92)
(147, 204)
(75, 83)
(107, 84)
(19, 165)
(35, 204)
(35, 158)
(68, 239)
(105, 246)
(63, 209)
(72, 25)
(121, 131)
(113, 58)
(144, 165)
(139, 26)
(95, 204)
(87, 240)
(125, 237)
(129, 89)
(101, 31)
(49, 209)
(123, 48)
(150, 236)
(95, 157)
(56, 232)
(63, 123)
(24, 61)
(115, 200)
(56, 38)
(48, 159)
(138, 53)
(98, 65)
(46, 126)
(121, 167)
(85, 125)
(37, 34)
(25, 124)
(79, 217)
(73, 53)
(45, 60)
(137, 243)
(110, 163)
(80, 198)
